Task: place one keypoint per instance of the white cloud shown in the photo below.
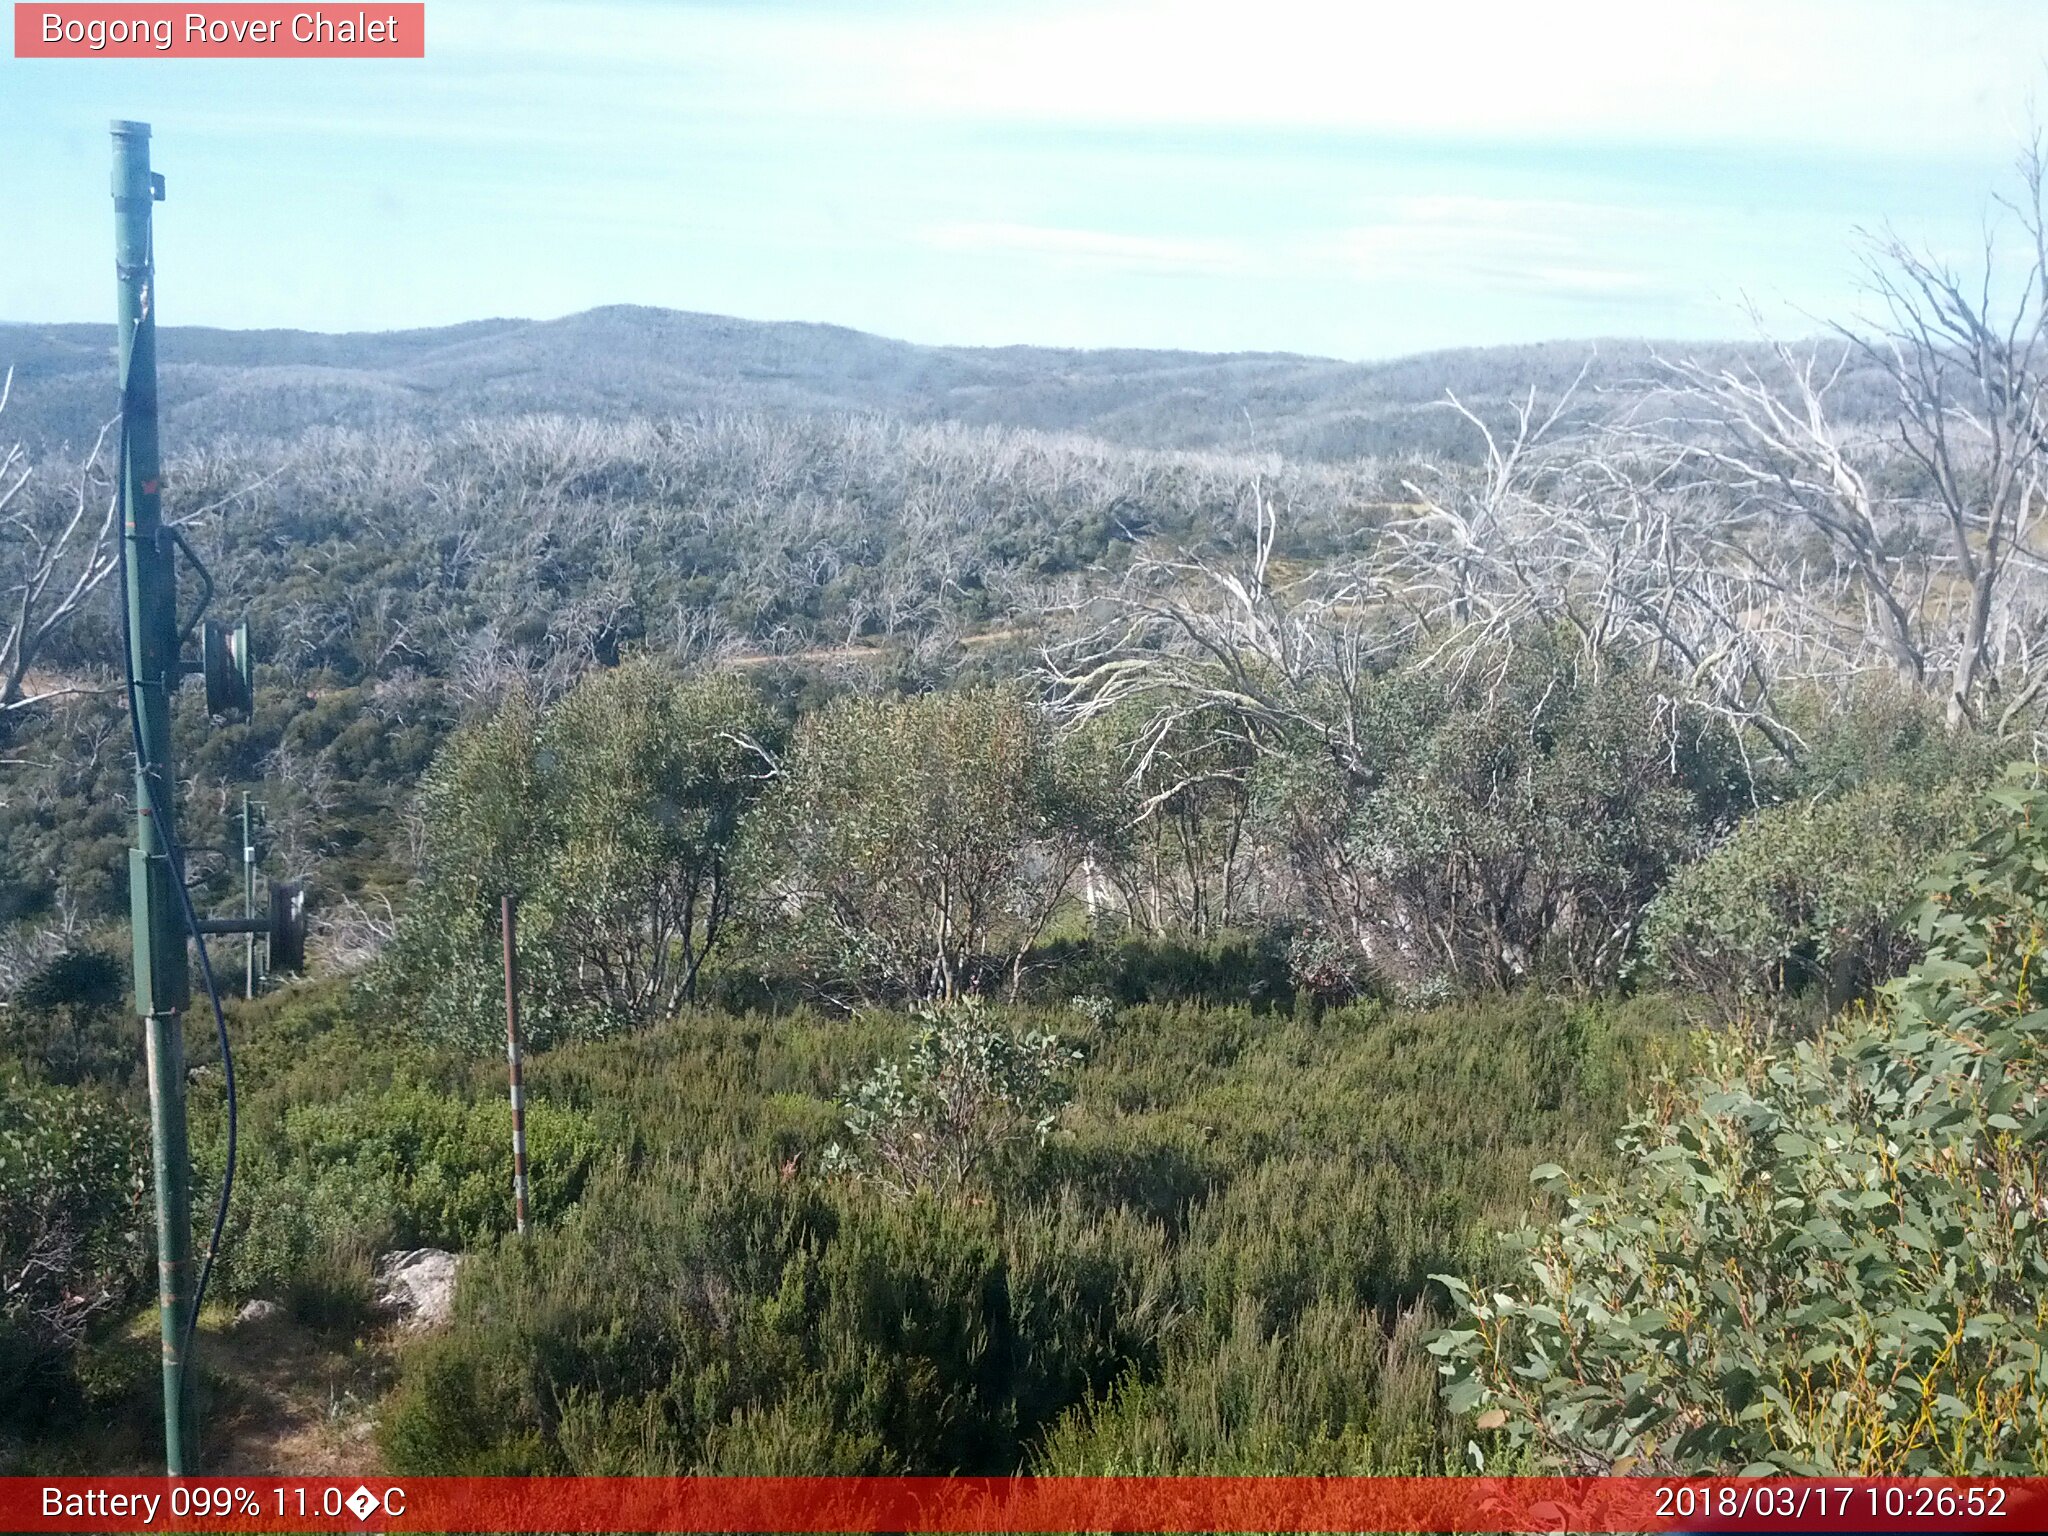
(1529, 245)
(1555, 248)
(1886, 75)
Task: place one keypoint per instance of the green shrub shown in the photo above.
(614, 816)
(1336, 1393)
(1251, 968)
(402, 1166)
(1880, 731)
(1242, 1198)
(68, 1022)
(1822, 1258)
(73, 1234)
(333, 1290)
(969, 1099)
(1498, 823)
(917, 848)
(674, 1316)
(1805, 897)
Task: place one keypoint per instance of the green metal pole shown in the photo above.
(161, 985)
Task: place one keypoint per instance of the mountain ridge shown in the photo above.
(635, 360)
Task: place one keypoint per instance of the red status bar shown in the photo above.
(960, 1504)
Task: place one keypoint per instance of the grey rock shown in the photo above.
(417, 1285)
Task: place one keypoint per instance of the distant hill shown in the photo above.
(623, 360)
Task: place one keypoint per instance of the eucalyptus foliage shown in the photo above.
(1503, 821)
(613, 816)
(1825, 1256)
(969, 1095)
(1804, 896)
(918, 847)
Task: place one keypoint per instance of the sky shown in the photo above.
(1348, 178)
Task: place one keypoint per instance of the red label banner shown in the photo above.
(234, 31)
(961, 1504)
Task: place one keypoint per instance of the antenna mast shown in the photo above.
(162, 987)
(160, 906)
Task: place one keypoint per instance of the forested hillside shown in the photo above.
(1058, 932)
(631, 362)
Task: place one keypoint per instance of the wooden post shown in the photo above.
(508, 911)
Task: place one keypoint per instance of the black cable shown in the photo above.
(167, 836)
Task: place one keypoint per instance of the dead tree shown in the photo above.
(1966, 361)
(1189, 642)
(1938, 563)
(53, 557)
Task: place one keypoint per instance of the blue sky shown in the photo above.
(1356, 179)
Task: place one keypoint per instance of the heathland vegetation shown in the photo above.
(1044, 952)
